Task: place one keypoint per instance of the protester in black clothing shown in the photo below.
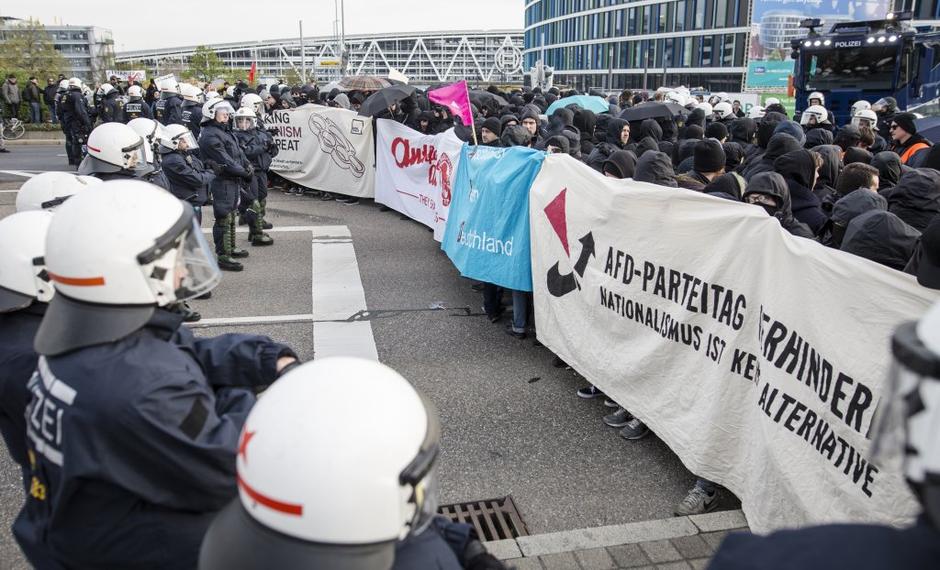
(916, 197)
(655, 168)
(49, 98)
(800, 168)
(779, 145)
(769, 191)
(621, 164)
(888, 165)
(881, 237)
(855, 176)
(707, 164)
(847, 209)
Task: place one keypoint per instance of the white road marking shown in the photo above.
(22, 173)
(336, 295)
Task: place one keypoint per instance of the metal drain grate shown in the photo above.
(493, 519)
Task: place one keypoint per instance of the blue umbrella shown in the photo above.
(589, 102)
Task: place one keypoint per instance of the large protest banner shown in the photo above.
(415, 173)
(487, 233)
(325, 149)
(758, 357)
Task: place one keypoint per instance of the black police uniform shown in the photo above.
(217, 145)
(188, 178)
(76, 122)
(258, 146)
(111, 108)
(17, 363)
(135, 440)
(192, 117)
(136, 108)
(442, 545)
(169, 110)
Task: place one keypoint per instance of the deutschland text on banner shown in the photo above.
(758, 357)
(325, 149)
(415, 173)
(487, 235)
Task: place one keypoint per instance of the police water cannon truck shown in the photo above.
(868, 60)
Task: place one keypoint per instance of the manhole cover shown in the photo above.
(493, 519)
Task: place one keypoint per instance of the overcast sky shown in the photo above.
(170, 23)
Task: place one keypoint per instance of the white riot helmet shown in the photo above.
(723, 97)
(245, 119)
(75, 82)
(756, 112)
(213, 106)
(169, 85)
(105, 89)
(859, 106)
(48, 190)
(817, 112)
(380, 440)
(149, 130)
(115, 147)
(23, 275)
(116, 254)
(905, 432)
(170, 136)
(676, 97)
(707, 108)
(771, 101)
(821, 100)
(230, 91)
(135, 91)
(63, 86)
(253, 102)
(724, 111)
(865, 118)
(190, 92)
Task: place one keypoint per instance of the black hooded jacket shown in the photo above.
(744, 132)
(828, 174)
(773, 184)
(847, 209)
(655, 168)
(585, 121)
(798, 167)
(611, 144)
(881, 237)
(916, 197)
(779, 145)
(818, 137)
(767, 126)
(888, 164)
(622, 163)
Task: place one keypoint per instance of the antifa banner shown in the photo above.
(487, 234)
(325, 149)
(415, 173)
(758, 357)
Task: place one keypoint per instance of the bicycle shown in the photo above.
(13, 129)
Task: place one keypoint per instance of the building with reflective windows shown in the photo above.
(617, 44)
(425, 57)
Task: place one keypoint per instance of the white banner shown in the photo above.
(758, 357)
(128, 76)
(325, 149)
(415, 172)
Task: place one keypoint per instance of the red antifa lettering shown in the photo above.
(405, 156)
(445, 167)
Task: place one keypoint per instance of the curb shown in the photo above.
(615, 535)
(24, 142)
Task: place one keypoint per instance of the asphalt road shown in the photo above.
(512, 424)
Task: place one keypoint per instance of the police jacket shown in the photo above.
(135, 443)
(75, 112)
(192, 117)
(136, 108)
(17, 363)
(187, 176)
(112, 109)
(444, 545)
(258, 146)
(154, 176)
(169, 111)
(219, 145)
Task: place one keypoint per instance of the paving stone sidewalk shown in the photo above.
(668, 544)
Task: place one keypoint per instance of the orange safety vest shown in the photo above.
(911, 151)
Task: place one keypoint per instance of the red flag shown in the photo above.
(251, 72)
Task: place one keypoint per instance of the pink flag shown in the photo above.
(456, 98)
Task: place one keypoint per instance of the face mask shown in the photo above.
(772, 211)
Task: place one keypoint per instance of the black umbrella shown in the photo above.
(929, 128)
(480, 98)
(385, 98)
(652, 110)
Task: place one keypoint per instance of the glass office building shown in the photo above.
(617, 44)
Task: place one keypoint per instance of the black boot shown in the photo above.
(225, 259)
(255, 233)
(264, 208)
(235, 252)
(189, 315)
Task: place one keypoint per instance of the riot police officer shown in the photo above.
(255, 143)
(136, 107)
(116, 151)
(133, 446)
(189, 179)
(110, 104)
(192, 107)
(221, 152)
(168, 110)
(76, 121)
(375, 508)
(49, 190)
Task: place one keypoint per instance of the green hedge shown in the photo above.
(21, 79)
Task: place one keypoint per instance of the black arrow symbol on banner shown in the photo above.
(560, 285)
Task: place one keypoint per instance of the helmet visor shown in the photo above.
(135, 157)
(187, 138)
(196, 269)
(245, 123)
